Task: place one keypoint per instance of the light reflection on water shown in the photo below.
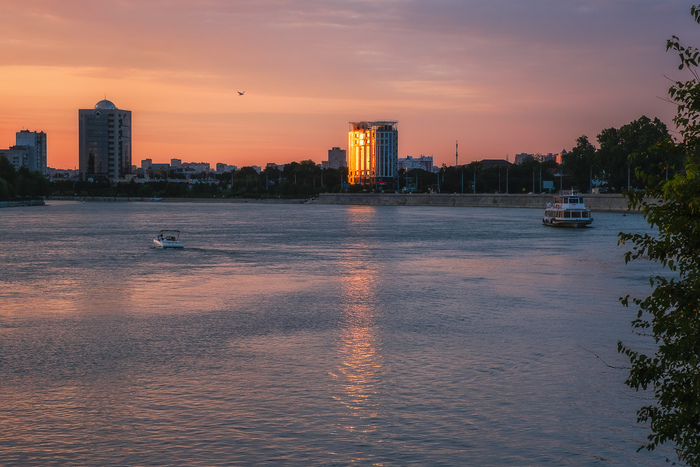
(359, 352)
(313, 335)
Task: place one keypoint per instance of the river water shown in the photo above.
(315, 335)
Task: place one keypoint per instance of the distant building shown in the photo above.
(373, 153)
(223, 168)
(196, 167)
(410, 163)
(104, 142)
(29, 151)
(491, 163)
(61, 174)
(523, 157)
(337, 158)
(18, 156)
(36, 141)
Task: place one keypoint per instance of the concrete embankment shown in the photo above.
(607, 202)
(235, 200)
(122, 199)
(599, 203)
(28, 202)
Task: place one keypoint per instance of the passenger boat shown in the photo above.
(168, 239)
(567, 211)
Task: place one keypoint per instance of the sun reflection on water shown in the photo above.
(359, 373)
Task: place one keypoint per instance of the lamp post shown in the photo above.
(628, 177)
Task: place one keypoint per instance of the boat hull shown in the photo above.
(567, 223)
(166, 244)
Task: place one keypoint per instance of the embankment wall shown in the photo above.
(28, 202)
(607, 202)
(176, 200)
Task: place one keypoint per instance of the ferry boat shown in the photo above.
(567, 211)
(168, 239)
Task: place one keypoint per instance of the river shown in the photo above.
(315, 335)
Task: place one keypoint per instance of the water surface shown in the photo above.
(314, 335)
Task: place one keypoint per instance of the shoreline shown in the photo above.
(137, 199)
(17, 204)
(600, 203)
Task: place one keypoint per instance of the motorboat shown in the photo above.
(567, 211)
(168, 239)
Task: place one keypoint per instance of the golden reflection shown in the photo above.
(359, 372)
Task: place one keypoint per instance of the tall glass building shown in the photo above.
(104, 145)
(373, 153)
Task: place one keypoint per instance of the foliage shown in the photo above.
(520, 178)
(21, 183)
(639, 144)
(579, 164)
(670, 312)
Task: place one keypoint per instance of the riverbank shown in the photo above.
(27, 202)
(606, 202)
(123, 199)
(596, 203)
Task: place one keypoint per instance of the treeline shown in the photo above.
(22, 183)
(643, 146)
(300, 180)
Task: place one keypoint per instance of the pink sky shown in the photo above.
(501, 76)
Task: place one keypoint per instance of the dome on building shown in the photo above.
(105, 105)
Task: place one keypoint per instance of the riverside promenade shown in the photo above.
(606, 202)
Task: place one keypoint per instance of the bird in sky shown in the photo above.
(241, 93)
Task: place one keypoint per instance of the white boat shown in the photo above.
(168, 239)
(567, 211)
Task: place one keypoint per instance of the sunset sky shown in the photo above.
(501, 76)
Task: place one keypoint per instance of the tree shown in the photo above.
(671, 312)
(648, 143)
(611, 157)
(579, 163)
(639, 144)
(8, 175)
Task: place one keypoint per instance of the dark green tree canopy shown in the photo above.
(642, 144)
(579, 164)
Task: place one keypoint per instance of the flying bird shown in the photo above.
(241, 93)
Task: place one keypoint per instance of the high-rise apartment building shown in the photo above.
(18, 156)
(29, 151)
(104, 144)
(373, 149)
(36, 142)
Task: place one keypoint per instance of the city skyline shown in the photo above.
(502, 78)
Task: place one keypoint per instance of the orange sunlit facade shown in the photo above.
(372, 153)
(361, 154)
